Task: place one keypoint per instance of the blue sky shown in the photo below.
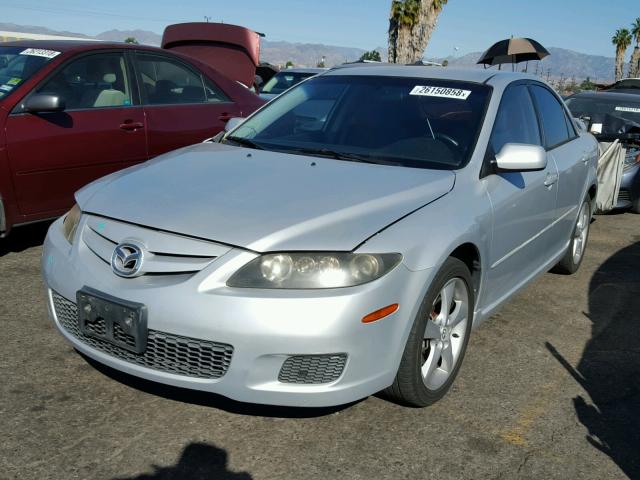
(471, 25)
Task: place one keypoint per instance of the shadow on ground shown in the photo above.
(22, 238)
(212, 400)
(199, 461)
(609, 370)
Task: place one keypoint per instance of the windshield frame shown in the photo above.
(390, 160)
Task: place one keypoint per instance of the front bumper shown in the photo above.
(264, 327)
(629, 190)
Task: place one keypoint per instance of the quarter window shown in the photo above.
(94, 81)
(516, 120)
(552, 117)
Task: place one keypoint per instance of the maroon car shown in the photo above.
(73, 111)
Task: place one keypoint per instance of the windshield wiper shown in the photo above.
(245, 142)
(326, 152)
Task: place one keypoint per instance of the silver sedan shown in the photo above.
(343, 240)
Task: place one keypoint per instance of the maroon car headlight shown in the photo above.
(304, 270)
(70, 223)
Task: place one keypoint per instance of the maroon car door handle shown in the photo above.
(130, 125)
(225, 117)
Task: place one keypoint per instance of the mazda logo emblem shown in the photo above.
(126, 260)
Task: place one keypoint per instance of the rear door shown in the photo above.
(182, 106)
(51, 155)
(571, 157)
(523, 202)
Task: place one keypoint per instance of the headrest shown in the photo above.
(109, 78)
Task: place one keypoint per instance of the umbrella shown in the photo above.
(513, 50)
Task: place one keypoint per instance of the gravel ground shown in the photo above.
(550, 388)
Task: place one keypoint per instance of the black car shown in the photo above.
(609, 116)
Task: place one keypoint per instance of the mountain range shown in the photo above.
(562, 63)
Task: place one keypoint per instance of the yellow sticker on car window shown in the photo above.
(442, 92)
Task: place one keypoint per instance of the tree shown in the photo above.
(131, 40)
(634, 66)
(411, 24)
(621, 39)
(587, 84)
(289, 64)
(373, 56)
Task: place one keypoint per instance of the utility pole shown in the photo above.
(548, 74)
(207, 18)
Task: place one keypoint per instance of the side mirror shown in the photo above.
(580, 123)
(233, 123)
(519, 157)
(44, 102)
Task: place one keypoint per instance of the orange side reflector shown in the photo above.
(378, 314)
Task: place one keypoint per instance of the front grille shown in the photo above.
(166, 352)
(624, 195)
(309, 369)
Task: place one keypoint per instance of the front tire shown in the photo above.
(575, 253)
(438, 339)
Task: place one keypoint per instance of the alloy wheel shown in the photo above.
(445, 333)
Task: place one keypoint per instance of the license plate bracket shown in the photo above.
(119, 322)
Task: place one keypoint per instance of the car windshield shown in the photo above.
(413, 122)
(606, 115)
(18, 64)
(283, 81)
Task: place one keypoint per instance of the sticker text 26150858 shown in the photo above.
(443, 92)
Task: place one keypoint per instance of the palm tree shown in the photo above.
(403, 17)
(634, 66)
(411, 24)
(621, 39)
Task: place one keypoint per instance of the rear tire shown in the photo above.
(438, 339)
(575, 252)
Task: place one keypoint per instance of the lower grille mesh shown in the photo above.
(624, 195)
(308, 369)
(165, 352)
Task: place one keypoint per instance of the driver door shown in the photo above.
(51, 155)
(523, 203)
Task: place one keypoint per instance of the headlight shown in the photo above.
(70, 223)
(313, 270)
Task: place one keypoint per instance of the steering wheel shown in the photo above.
(452, 142)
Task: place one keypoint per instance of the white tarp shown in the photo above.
(610, 166)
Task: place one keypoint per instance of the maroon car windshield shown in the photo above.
(18, 64)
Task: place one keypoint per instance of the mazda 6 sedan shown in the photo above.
(344, 239)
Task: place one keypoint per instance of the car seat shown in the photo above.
(110, 97)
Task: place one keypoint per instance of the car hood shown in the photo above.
(264, 201)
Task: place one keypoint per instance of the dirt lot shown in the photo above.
(550, 388)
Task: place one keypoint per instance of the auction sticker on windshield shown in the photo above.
(40, 52)
(443, 92)
(628, 109)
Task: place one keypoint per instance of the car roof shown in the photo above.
(610, 95)
(476, 75)
(73, 45)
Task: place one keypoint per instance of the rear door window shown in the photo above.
(552, 117)
(168, 82)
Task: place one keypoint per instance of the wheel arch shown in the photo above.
(469, 254)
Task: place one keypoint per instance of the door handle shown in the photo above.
(550, 179)
(225, 117)
(130, 125)
(585, 159)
